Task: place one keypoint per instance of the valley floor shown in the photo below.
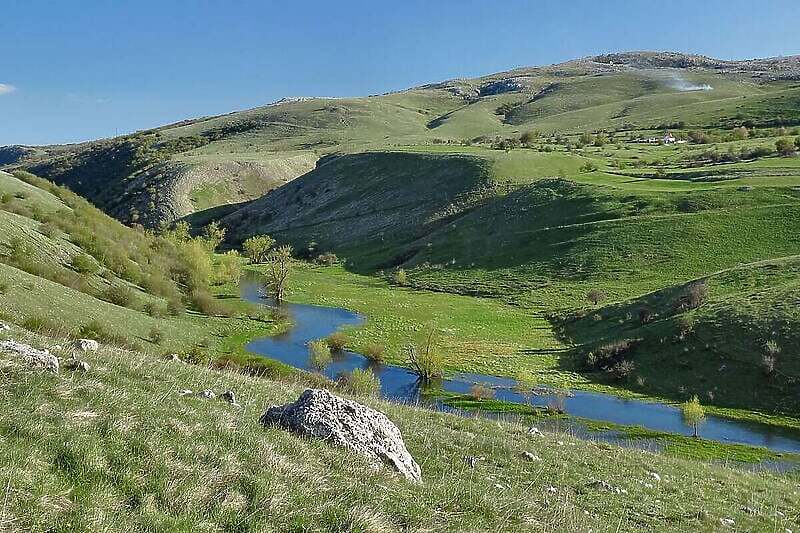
(476, 335)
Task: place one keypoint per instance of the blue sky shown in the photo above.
(72, 71)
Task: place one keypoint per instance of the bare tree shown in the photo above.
(596, 296)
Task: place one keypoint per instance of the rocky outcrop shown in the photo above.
(319, 414)
(35, 358)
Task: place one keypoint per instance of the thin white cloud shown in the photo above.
(6, 88)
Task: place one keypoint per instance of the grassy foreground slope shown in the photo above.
(118, 449)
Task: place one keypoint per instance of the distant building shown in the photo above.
(669, 138)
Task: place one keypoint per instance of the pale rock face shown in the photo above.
(87, 345)
(33, 357)
(319, 414)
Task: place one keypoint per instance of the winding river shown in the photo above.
(398, 384)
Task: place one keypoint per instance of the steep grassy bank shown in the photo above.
(118, 448)
(730, 337)
(68, 269)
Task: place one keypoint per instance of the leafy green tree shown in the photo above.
(280, 265)
(213, 235)
(178, 233)
(797, 142)
(693, 413)
(228, 268)
(258, 247)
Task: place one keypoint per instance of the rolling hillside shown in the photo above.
(172, 171)
(533, 187)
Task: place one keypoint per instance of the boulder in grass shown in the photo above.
(319, 414)
(87, 345)
(33, 357)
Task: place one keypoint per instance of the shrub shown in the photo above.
(327, 259)
(175, 307)
(589, 166)
(425, 361)
(479, 391)
(374, 352)
(155, 310)
(694, 295)
(319, 353)
(785, 147)
(685, 325)
(120, 295)
(361, 382)
(6, 198)
(4, 287)
(772, 347)
(608, 355)
(645, 315)
(204, 302)
(622, 369)
(156, 335)
(48, 229)
(596, 296)
(337, 341)
(84, 264)
(400, 277)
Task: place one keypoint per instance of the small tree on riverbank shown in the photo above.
(693, 413)
(319, 353)
(424, 360)
(280, 265)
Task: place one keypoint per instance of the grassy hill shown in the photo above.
(172, 171)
